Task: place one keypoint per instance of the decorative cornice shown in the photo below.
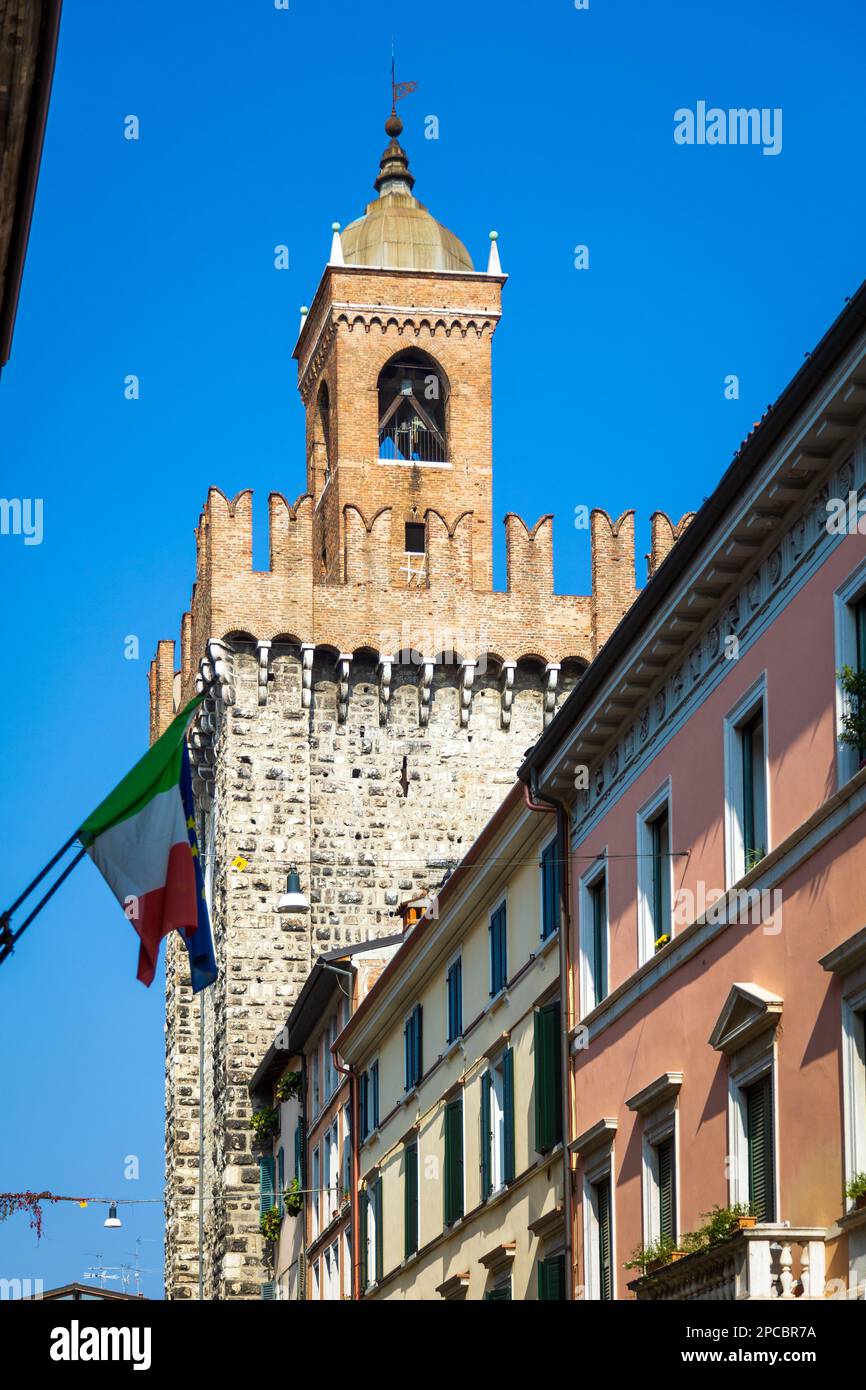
(664, 1088)
(842, 960)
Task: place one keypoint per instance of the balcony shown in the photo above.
(767, 1261)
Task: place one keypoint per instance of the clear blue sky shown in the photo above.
(260, 127)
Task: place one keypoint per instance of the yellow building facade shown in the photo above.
(458, 1062)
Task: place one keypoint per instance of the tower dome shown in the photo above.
(397, 232)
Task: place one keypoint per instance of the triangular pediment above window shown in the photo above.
(749, 1010)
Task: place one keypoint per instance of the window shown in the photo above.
(416, 538)
(453, 1160)
(316, 1193)
(747, 838)
(655, 873)
(850, 614)
(322, 435)
(347, 1150)
(281, 1179)
(412, 1049)
(604, 1250)
(498, 950)
(371, 1234)
(410, 1199)
(665, 1169)
(598, 955)
(299, 1153)
(758, 1099)
(316, 1071)
(548, 1076)
(848, 963)
(454, 982)
(551, 1279)
(347, 1262)
(412, 410)
(500, 1293)
(267, 1182)
(331, 1265)
(332, 1171)
(549, 889)
(497, 1124)
(368, 1100)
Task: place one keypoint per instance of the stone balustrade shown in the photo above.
(766, 1261)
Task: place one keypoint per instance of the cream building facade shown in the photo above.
(457, 1055)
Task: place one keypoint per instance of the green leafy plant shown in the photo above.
(721, 1222)
(853, 731)
(659, 1251)
(293, 1198)
(288, 1087)
(265, 1122)
(856, 1187)
(270, 1223)
(754, 856)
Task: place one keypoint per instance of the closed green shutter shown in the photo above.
(299, 1153)
(363, 1232)
(418, 1052)
(380, 1232)
(410, 1199)
(266, 1184)
(548, 1077)
(500, 1295)
(455, 1000)
(407, 1054)
(508, 1115)
(268, 1290)
(551, 1279)
(374, 1094)
(667, 1191)
(598, 897)
(759, 1134)
(486, 1137)
(364, 1105)
(453, 1161)
(605, 1253)
(498, 951)
(550, 890)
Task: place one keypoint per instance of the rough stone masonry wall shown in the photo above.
(295, 784)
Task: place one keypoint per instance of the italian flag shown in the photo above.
(142, 838)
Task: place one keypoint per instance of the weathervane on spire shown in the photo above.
(399, 90)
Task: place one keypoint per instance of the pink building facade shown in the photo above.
(716, 948)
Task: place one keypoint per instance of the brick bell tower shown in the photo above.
(369, 696)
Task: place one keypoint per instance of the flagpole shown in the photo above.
(8, 937)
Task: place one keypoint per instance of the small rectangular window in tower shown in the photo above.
(416, 538)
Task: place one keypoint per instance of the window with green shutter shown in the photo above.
(486, 1136)
(660, 838)
(549, 890)
(363, 1106)
(508, 1115)
(759, 1139)
(410, 1199)
(412, 1049)
(266, 1184)
(453, 1184)
(500, 1294)
(498, 950)
(374, 1094)
(268, 1290)
(548, 1077)
(754, 791)
(551, 1279)
(380, 1230)
(598, 944)
(364, 1237)
(281, 1178)
(666, 1189)
(299, 1153)
(605, 1240)
(455, 999)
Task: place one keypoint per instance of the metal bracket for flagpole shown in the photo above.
(8, 937)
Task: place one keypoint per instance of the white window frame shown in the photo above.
(346, 1269)
(594, 1172)
(332, 1140)
(316, 1192)
(854, 1082)
(846, 596)
(496, 1153)
(753, 1062)
(542, 850)
(588, 881)
(648, 930)
(754, 700)
(373, 1274)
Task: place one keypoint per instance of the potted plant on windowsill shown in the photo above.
(265, 1123)
(856, 1190)
(722, 1222)
(270, 1223)
(853, 730)
(649, 1258)
(293, 1198)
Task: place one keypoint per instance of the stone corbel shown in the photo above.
(551, 677)
(386, 668)
(307, 650)
(219, 661)
(264, 654)
(344, 666)
(506, 687)
(425, 686)
(467, 676)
